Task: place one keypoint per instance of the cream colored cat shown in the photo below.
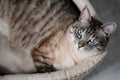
(83, 40)
(53, 32)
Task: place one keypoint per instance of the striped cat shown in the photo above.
(85, 38)
(52, 32)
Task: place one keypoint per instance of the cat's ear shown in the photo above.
(85, 15)
(109, 28)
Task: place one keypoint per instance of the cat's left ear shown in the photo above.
(109, 28)
(85, 15)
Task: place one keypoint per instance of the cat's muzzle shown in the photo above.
(81, 44)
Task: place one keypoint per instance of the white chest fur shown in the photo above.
(68, 54)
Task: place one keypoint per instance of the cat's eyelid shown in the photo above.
(92, 40)
(78, 33)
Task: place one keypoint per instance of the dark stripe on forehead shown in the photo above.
(94, 24)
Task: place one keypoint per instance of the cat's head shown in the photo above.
(90, 33)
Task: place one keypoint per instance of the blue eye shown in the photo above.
(78, 33)
(92, 41)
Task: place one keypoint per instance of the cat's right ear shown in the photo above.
(109, 28)
(85, 15)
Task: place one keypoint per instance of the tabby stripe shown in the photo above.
(30, 12)
(5, 9)
(28, 42)
(21, 12)
(56, 13)
(20, 21)
(52, 19)
(9, 10)
(54, 30)
(52, 23)
(2, 8)
(43, 20)
(47, 32)
(16, 19)
(44, 15)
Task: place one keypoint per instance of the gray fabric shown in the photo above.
(73, 73)
(109, 10)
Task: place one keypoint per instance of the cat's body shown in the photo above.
(43, 28)
(30, 22)
(82, 40)
(63, 49)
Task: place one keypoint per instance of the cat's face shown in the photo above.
(89, 34)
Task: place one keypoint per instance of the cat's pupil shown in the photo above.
(92, 41)
(78, 33)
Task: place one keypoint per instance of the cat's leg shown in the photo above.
(13, 59)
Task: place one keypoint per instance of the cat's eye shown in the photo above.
(78, 33)
(92, 41)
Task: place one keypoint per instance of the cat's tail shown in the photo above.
(83, 3)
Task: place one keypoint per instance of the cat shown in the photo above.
(52, 32)
(85, 38)
(28, 23)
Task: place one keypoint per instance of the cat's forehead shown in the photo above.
(92, 25)
(94, 28)
(93, 32)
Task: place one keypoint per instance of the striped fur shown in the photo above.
(75, 44)
(32, 21)
(29, 23)
(42, 29)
